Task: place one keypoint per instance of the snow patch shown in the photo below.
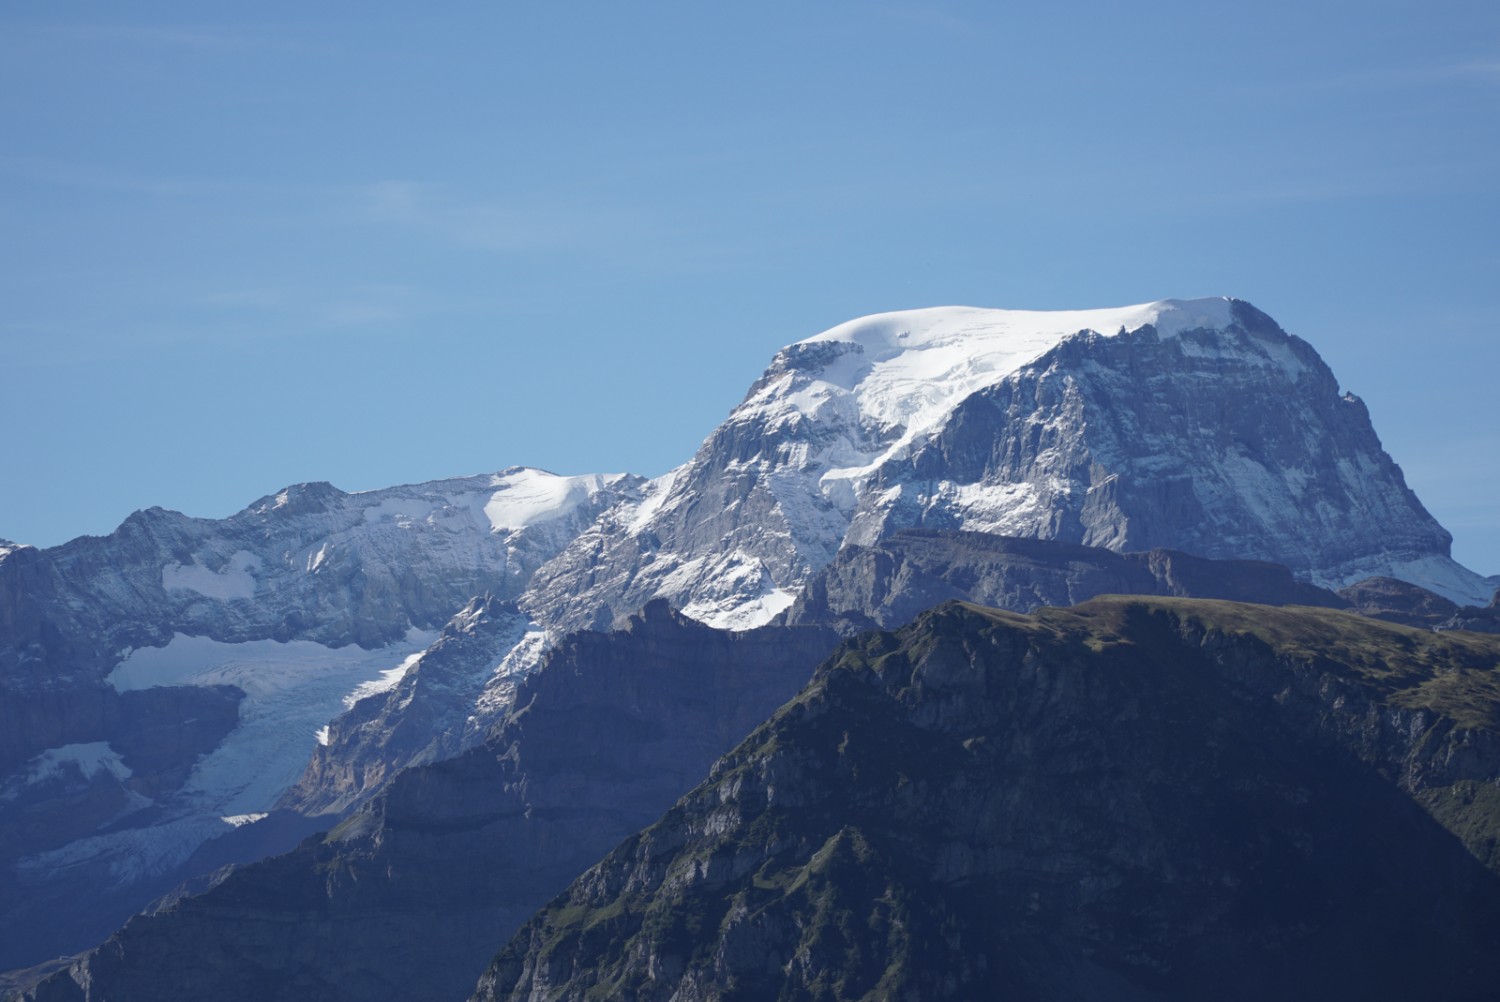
(315, 561)
(236, 580)
(655, 495)
(500, 691)
(733, 592)
(743, 613)
(999, 509)
(403, 510)
(913, 367)
(526, 496)
(126, 855)
(88, 759)
(387, 681)
(240, 820)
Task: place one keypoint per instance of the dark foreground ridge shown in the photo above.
(1131, 799)
(410, 896)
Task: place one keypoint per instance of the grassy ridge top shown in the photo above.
(1454, 673)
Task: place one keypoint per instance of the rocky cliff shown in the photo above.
(887, 583)
(1133, 799)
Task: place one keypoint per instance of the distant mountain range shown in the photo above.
(433, 665)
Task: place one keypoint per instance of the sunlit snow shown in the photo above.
(526, 496)
(291, 689)
(915, 366)
(88, 759)
(384, 683)
(235, 580)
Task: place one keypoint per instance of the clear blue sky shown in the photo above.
(243, 246)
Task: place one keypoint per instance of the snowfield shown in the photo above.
(291, 690)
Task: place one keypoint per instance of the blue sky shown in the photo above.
(245, 246)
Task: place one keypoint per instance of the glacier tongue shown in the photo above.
(291, 690)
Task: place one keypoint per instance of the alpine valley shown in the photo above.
(759, 727)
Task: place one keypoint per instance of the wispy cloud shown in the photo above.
(285, 310)
(501, 224)
(179, 321)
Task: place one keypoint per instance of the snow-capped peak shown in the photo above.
(913, 366)
(890, 378)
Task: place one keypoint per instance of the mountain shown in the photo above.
(187, 693)
(474, 843)
(1192, 425)
(163, 686)
(408, 897)
(1131, 799)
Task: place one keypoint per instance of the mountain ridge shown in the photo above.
(324, 608)
(1143, 799)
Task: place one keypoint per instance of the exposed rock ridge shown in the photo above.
(887, 583)
(1136, 799)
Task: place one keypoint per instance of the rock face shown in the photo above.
(1135, 799)
(1475, 619)
(886, 584)
(423, 718)
(1398, 602)
(1229, 442)
(408, 898)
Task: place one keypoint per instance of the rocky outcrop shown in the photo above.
(1135, 799)
(1398, 602)
(886, 584)
(409, 896)
(1474, 618)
